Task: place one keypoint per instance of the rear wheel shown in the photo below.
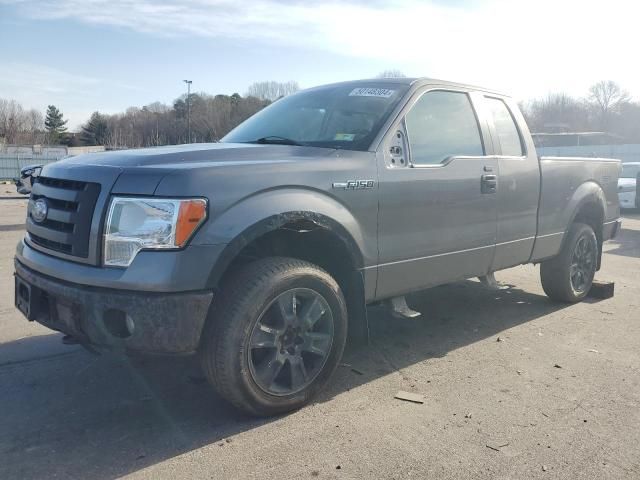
(276, 336)
(568, 276)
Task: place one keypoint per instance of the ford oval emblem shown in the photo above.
(39, 210)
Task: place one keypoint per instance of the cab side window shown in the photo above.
(440, 125)
(506, 129)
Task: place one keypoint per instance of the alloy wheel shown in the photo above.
(290, 342)
(583, 263)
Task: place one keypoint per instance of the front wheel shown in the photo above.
(568, 276)
(276, 336)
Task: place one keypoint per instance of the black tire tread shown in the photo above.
(236, 296)
(553, 272)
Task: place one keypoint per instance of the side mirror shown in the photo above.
(27, 174)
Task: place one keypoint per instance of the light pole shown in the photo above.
(188, 82)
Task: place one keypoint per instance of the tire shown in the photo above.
(274, 315)
(568, 276)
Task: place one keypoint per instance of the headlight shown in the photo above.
(135, 224)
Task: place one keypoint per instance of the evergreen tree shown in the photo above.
(96, 130)
(54, 124)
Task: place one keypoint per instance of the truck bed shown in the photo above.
(563, 186)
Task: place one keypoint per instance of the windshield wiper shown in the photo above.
(275, 140)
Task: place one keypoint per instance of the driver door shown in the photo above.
(437, 215)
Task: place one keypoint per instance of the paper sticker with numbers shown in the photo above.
(371, 92)
(345, 137)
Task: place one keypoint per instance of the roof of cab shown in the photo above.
(417, 82)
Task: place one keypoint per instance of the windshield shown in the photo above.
(341, 116)
(630, 171)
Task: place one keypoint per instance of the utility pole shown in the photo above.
(157, 129)
(188, 82)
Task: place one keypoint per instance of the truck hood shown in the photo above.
(139, 172)
(197, 156)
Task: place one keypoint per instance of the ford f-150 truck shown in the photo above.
(260, 252)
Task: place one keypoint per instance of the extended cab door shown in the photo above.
(519, 178)
(437, 212)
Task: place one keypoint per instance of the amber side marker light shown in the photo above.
(190, 216)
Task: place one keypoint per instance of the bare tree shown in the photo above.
(606, 99)
(271, 90)
(556, 112)
(627, 122)
(155, 124)
(392, 73)
(33, 128)
(12, 119)
(20, 126)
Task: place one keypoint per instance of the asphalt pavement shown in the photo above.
(514, 386)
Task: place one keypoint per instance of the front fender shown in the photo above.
(269, 210)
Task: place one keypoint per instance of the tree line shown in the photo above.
(20, 126)
(606, 107)
(212, 117)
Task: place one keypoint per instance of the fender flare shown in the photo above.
(262, 213)
(587, 193)
(325, 213)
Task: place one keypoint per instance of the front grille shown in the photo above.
(67, 226)
(62, 183)
(60, 247)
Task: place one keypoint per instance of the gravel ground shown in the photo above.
(515, 386)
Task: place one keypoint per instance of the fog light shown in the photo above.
(118, 323)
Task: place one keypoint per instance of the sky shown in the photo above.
(107, 55)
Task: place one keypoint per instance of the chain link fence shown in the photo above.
(15, 157)
(10, 165)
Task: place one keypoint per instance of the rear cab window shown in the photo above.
(505, 128)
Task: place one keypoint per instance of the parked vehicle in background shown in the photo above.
(23, 182)
(261, 252)
(628, 185)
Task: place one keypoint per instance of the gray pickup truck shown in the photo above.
(260, 253)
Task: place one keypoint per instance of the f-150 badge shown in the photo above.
(354, 184)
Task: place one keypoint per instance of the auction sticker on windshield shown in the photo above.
(345, 137)
(371, 92)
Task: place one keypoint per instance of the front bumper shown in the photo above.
(129, 321)
(151, 271)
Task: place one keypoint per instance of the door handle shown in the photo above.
(488, 184)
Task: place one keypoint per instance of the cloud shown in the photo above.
(37, 86)
(527, 47)
(48, 80)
